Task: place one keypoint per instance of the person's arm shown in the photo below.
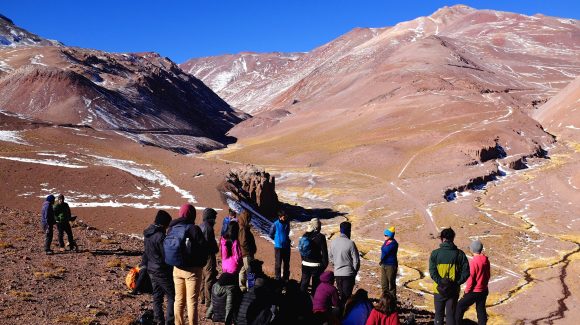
(470, 284)
(464, 268)
(324, 251)
(67, 214)
(330, 255)
(272, 232)
(355, 257)
(433, 272)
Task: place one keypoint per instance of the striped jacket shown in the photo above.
(442, 261)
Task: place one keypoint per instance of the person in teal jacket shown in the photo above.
(280, 233)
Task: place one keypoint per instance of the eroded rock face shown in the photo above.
(256, 186)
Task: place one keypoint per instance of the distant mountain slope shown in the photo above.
(12, 35)
(561, 114)
(147, 97)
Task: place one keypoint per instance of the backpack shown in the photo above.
(448, 287)
(305, 246)
(177, 246)
(131, 278)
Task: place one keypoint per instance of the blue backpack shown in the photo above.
(305, 246)
(177, 245)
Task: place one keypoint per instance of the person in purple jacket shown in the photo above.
(47, 221)
(325, 302)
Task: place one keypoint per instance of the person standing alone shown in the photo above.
(346, 260)
(280, 233)
(63, 217)
(389, 263)
(476, 286)
(449, 268)
(47, 222)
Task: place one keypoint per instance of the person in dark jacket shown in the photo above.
(230, 217)
(280, 233)
(325, 302)
(256, 303)
(389, 263)
(209, 273)
(63, 217)
(314, 264)
(248, 246)
(188, 277)
(159, 272)
(447, 262)
(357, 309)
(47, 222)
(225, 299)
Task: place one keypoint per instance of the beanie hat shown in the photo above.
(162, 218)
(50, 198)
(209, 214)
(313, 225)
(390, 232)
(187, 211)
(345, 228)
(476, 246)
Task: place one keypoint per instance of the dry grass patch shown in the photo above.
(24, 295)
(5, 245)
(123, 320)
(76, 319)
(58, 273)
(115, 262)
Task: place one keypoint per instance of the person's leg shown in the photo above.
(170, 295)
(384, 279)
(48, 232)
(286, 261)
(305, 279)
(244, 273)
(450, 307)
(439, 302)
(69, 235)
(277, 263)
(158, 294)
(392, 280)
(180, 292)
(480, 308)
(230, 305)
(463, 305)
(193, 283)
(340, 286)
(60, 229)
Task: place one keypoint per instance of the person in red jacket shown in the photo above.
(476, 286)
(384, 312)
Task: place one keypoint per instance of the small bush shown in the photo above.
(20, 294)
(117, 263)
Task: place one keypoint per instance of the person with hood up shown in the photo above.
(248, 246)
(357, 309)
(47, 222)
(476, 286)
(326, 300)
(209, 274)
(316, 261)
(63, 217)
(188, 277)
(389, 263)
(159, 272)
(449, 269)
(346, 260)
(280, 233)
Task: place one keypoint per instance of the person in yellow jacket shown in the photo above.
(449, 268)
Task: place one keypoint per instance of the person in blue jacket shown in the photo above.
(280, 233)
(389, 263)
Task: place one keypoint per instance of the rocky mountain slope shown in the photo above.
(143, 95)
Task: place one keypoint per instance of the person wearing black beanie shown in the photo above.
(161, 273)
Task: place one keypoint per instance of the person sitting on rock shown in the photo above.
(63, 217)
(160, 273)
(225, 299)
(280, 233)
(47, 222)
(325, 304)
(385, 312)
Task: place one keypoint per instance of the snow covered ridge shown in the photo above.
(12, 36)
(12, 136)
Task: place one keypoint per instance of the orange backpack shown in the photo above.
(131, 278)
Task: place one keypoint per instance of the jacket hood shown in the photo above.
(327, 277)
(152, 229)
(448, 245)
(187, 211)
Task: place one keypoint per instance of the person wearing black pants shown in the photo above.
(160, 273)
(345, 285)
(47, 221)
(344, 256)
(63, 217)
(477, 298)
(314, 260)
(280, 233)
(445, 306)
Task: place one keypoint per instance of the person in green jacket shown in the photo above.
(63, 217)
(447, 262)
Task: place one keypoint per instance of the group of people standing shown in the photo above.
(55, 211)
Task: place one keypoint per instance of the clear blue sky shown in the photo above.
(195, 28)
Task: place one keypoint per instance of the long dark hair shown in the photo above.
(360, 296)
(230, 236)
(386, 304)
